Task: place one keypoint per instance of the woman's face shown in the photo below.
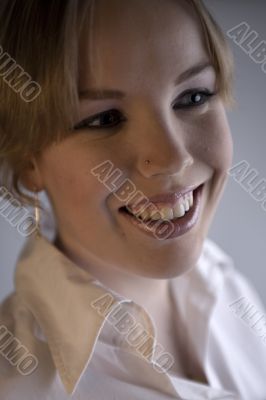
(151, 53)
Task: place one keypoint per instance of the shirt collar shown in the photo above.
(45, 277)
(59, 294)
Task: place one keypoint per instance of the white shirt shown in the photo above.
(71, 335)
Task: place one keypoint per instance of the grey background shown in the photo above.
(239, 226)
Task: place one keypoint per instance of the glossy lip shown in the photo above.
(163, 199)
(176, 227)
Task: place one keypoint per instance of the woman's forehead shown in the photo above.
(130, 41)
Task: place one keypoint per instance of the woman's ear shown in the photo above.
(30, 176)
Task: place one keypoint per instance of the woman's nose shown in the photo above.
(164, 144)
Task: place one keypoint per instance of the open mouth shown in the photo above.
(143, 219)
(163, 229)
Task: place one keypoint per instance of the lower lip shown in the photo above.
(163, 230)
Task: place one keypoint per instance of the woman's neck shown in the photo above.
(147, 292)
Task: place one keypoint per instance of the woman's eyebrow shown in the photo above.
(101, 94)
(192, 71)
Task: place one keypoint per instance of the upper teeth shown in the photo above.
(182, 205)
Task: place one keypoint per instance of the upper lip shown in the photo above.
(167, 198)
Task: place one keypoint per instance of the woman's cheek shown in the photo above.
(212, 139)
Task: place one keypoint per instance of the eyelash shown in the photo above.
(185, 107)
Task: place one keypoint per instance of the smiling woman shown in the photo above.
(130, 141)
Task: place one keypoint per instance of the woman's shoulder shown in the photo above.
(214, 255)
(218, 277)
(236, 282)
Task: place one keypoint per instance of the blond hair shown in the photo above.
(40, 42)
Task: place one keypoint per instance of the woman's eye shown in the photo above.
(111, 118)
(193, 99)
(106, 119)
